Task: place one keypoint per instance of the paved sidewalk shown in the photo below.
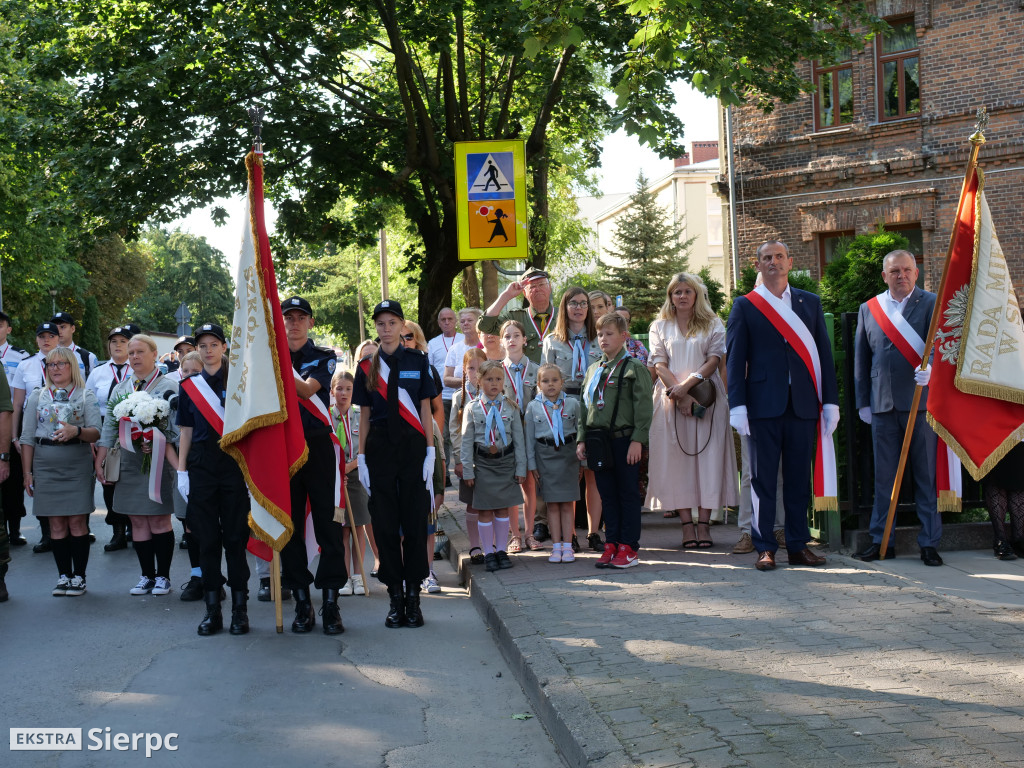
(697, 659)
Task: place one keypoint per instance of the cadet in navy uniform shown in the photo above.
(313, 482)
(12, 490)
(396, 462)
(213, 485)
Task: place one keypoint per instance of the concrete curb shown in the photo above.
(579, 733)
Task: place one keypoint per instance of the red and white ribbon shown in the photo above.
(130, 430)
(315, 406)
(406, 407)
(793, 330)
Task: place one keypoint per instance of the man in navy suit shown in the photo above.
(885, 382)
(774, 400)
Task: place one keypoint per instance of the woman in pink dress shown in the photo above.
(693, 462)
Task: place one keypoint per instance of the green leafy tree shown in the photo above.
(185, 269)
(89, 333)
(716, 293)
(649, 247)
(855, 274)
(365, 99)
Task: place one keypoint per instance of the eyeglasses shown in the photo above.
(58, 364)
(408, 336)
(578, 304)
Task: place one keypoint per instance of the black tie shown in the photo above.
(139, 384)
(394, 420)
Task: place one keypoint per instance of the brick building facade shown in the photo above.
(884, 138)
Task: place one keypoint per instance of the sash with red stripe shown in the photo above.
(794, 331)
(406, 408)
(948, 479)
(206, 400)
(315, 406)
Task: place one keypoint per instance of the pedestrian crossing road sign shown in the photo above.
(490, 179)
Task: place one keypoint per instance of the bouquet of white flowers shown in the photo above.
(139, 414)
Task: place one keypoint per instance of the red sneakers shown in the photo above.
(606, 557)
(625, 557)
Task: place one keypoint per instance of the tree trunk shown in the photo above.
(490, 272)
(539, 221)
(435, 288)
(470, 286)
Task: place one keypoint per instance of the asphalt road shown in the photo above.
(439, 695)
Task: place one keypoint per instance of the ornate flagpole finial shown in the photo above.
(978, 137)
(256, 116)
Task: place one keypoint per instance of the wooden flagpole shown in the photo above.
(977, 139)
(358, 559)
(275, 590)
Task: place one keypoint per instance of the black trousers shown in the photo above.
(399, 503)
(619, 488)
(218, 515)
(12, 493)
(314, 484)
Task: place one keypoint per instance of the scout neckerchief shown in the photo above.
(555, 418)
(492, 421)
(143, 385)
(793, 329)
(206, 401)
(406, 408)
(588, 397)
(515, 376)
(948, 480)
(580, 351)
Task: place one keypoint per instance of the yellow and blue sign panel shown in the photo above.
(490, 181)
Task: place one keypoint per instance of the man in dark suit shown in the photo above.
(885, 382)
(773, 398)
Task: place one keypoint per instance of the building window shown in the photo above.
(913, 233)
(899, 70)
(828, 245)
(833, 95)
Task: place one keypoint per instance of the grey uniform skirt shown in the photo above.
(496, 486)
(360, 501)
(131, 494)
(63, 477)
(559, 471)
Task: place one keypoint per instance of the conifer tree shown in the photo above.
(649, 248)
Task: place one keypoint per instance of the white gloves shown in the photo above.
(865, 414)
(364, 473)
(923, 377)
(738, 419)
(830, 413)
(428, 469)
(183, 484)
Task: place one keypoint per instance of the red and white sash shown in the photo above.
(206, 400)
(948, 479)
(406, 407)
(793, 330)
(316, 407)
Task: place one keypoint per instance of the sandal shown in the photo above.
(477, 559)
(671, 513)
(705, 543)
(690, 543)
(515, 545)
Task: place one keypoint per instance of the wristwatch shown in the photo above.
(5, 457)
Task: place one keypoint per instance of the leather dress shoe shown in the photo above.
(765, 561)
(874, 552)
(117, 542)
(17, 540)
(330, 613)
(44, 545)
(930, 556)
(1003, 550)
(305, 617)
(805, 557)
(540, 532)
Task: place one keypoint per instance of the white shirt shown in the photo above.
(29, 375)
(899, 306)
(11, 357)
(102, 380)
(454, 359)
(437, 352)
